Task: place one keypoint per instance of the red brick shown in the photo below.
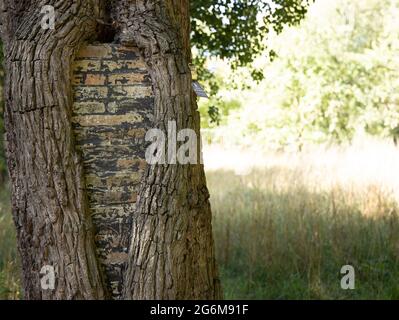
(95, 80)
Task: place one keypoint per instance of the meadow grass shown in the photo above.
(285, 226)
(291, 244)
(285, 223)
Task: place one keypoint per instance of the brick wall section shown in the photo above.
(112, 111)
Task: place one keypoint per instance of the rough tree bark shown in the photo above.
(48, 202)
(171, 252)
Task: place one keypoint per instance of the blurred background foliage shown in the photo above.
(235, 29)
(333, 77)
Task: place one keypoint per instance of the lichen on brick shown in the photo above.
(112, 110)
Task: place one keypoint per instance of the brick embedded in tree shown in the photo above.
(112, 112)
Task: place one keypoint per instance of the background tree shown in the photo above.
(235, 31)
(48, 199)
(341, 84)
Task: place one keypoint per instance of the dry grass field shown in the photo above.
(285, 225)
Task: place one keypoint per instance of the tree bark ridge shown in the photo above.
(48, 199)
(171, 252)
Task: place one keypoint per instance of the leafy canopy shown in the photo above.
(235, 29)
(335, 79)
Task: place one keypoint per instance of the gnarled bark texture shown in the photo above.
(171, 250)
(171, 254)
(48, 200)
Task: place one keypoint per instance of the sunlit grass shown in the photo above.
(285, 226)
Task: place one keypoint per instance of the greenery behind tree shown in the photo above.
(333, 77)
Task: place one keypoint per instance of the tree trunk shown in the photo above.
(171, 252)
